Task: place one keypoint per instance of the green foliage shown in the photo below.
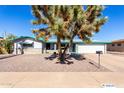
(68, 21)
(6, 45)
(2, 50)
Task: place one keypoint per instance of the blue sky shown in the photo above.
(17, 20)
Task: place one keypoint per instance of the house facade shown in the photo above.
(1, 38)
(28, 45)
(117, 46)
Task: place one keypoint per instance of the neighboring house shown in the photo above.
(117, 46)
(28, 45)
(1, 38)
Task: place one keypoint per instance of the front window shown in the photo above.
(118, 44)
(48, 46)
(27, 45)
(63, 46)
(113, 44)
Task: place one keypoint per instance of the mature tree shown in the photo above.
(2, 49)
(67, 22)
(6, 44)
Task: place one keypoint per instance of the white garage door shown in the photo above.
(90, 48)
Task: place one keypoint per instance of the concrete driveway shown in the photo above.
(111, 61)
(69, 79)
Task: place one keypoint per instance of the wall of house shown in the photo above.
(53, 48)
(115, 47)
(32, 51)
(49, 50)
(35, 49)
(28, 41)
(90, 48)
(17, 48)
(37, 45)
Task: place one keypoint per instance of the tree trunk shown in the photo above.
(68, 45)
(59, 47)
(63, 55)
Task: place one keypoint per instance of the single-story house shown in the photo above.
(29, 45)
(1, 38)
(116, 45)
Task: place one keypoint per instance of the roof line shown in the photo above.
(63, 41)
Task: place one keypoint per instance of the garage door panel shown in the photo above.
(90, 48)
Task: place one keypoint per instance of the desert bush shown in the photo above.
(3, 50)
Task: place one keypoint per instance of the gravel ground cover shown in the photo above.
(38, 63)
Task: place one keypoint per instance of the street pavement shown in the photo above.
(61, 79)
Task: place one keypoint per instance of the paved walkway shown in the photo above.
(113, 62)
(61, 79)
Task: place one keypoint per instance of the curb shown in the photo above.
(7, 56)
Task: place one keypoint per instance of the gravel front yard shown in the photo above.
(38, 63)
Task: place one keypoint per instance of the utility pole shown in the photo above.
(4, 34)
